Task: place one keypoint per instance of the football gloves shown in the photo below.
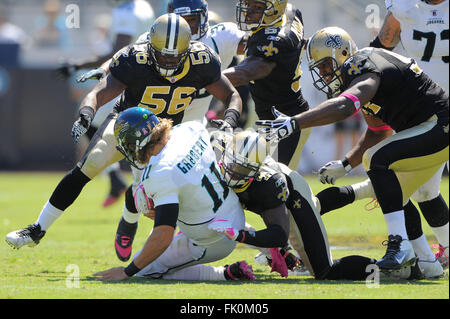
(278, 129)
(333, 170)
(96, 74)
(81, 126)
(222, 125)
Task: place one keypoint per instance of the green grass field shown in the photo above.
(83, 240)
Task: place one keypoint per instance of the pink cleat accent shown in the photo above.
(441, 255)
(123, 247)
(243, 272)
(278, 262)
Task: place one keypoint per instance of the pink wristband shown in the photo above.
(380, 128)
(355, 101)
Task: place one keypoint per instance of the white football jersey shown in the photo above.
(186, 172)
(425, 35)
(132, 18)
(224, 39)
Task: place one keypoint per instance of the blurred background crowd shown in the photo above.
(37, 109)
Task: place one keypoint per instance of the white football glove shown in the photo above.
(143, 203)
(277, 129)
(224, 227)
(96, 74)
(333, 170)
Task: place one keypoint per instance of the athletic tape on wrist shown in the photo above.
(355, 100)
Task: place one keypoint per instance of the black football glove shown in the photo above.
(81, 126)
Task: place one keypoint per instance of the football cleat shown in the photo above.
(278, 263)
(123, 243)
(431, 268)
(405, 273)
(29, 236)
(240, 270)
(442, 255)
(399, 254)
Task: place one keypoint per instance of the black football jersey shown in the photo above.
(268, 190)
(406, 96)
(166, 97)
(283, 45)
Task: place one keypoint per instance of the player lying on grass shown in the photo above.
(417, 110)
(182, 176)
(278, 195)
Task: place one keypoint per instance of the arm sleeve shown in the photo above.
(166, 215)
(271, 237)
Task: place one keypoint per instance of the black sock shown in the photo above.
(390, 198)
(333, 198)
(68, 189)
(412, 221)
(435, 211)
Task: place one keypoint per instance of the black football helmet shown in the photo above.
(189, 8)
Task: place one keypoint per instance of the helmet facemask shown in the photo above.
(169, 45)
(252, 14)
(242, 158)
(237, 170)
(168, 62)
(134, 130)
(326, 76)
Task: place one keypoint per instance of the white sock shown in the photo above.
(422, 249)
(363, 190)
(130, 217)
(48, 216)
(395, 223)
(441, 234)
(197, 272)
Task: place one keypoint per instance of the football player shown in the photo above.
(422, 27)
(226, 41)
(182, 175)
(272, 67)
(224, 38)
(275, 192)
(162, 75)
(418, 112)
(130, 18)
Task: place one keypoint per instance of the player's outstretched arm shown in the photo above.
(107, 89)
(225, 92)
(250, 69)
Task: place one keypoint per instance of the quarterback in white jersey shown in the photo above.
(183, 180)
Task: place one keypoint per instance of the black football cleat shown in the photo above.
(399, 254)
